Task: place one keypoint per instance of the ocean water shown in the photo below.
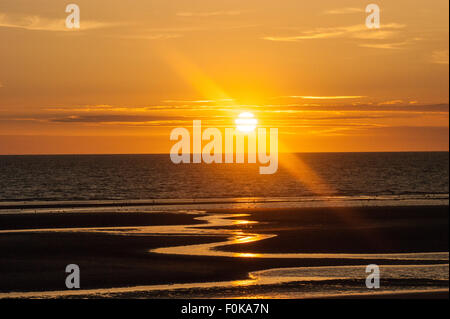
(147, 177)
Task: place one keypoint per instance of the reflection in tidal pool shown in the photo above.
(298, 282)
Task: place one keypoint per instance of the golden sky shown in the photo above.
(137, 69)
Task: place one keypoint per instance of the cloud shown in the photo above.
(65, 112)
(440, 57)
(157, 36)
(393, 105)
(363, 116)
(344, 11)
(109, 119)
(110, 109)
(359, 31)
(393, 102)
(37, 23)
(176, 32)
(208, 14)
(390, 46)
(341, 97)
(373, 34)
(198, 101)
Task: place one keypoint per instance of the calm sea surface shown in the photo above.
(128, 177)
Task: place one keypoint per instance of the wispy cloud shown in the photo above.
(176, 32)
(390, 46)
(110, 119)
(198, 101)
(344, 11)
(38, 23)
(440, 57)
(176, 105)
(156, 36)
(359, 31)
(208, 14)
(392, 102)
(283, 116)
(339, 97)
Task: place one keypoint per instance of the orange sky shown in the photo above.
(132, 73)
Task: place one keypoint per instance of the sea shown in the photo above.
(92, 183)
(413, 176)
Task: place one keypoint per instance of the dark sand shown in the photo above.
(437, 294)
(350, 230)
(37, 261)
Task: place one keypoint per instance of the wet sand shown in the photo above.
(435, 294)
(35, 261)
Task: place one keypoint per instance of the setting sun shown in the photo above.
(225, 151)
(246, 122)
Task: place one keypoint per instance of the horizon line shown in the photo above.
(168, 154)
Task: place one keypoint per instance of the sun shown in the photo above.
(246, 122)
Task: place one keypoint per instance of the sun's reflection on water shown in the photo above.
(218, 225)
(244, 222)
(240, 283)
(246, 255)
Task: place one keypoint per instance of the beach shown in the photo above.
(303, 252)
(177, 151)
